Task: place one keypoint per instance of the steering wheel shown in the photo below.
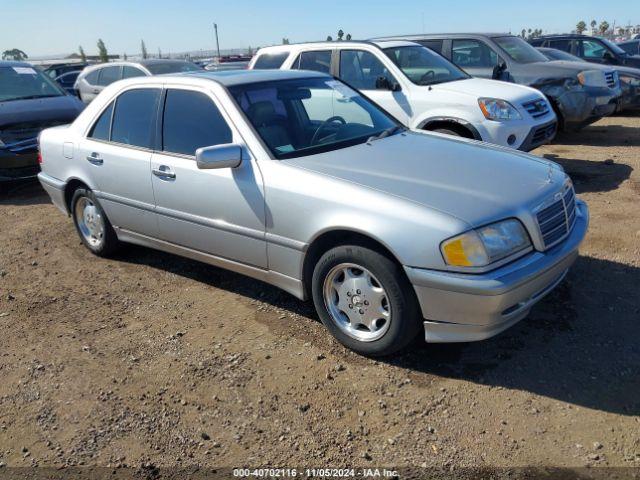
(316, 135)
(427, 75)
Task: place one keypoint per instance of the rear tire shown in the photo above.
(365, 300)
(92, 223)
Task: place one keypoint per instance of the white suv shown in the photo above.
(425, 91)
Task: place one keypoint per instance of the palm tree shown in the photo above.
(143, 49)
(581, 27)
(604, 26)
(102, 51)
(340, 34)
(83, 55)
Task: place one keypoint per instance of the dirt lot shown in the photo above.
(150, 358)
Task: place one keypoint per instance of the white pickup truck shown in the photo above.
(424, 90)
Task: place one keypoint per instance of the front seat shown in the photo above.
(264, 118)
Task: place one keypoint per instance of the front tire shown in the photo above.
(365, 300)
(92, 223)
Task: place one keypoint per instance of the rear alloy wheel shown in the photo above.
(92, 224)
(365, 300)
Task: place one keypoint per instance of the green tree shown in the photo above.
(14, 54)
(285, 41)
(340, 35)
(348, 37)
(581, 27)
(102, 51)
(329, 38)
(83, 56)
(523, 33)
(604, 27)
(143, 49)
(593, 24)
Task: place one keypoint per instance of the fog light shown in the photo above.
(511, 140)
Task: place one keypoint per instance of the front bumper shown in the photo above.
(521, 132)
(467, 307)
(18, 165)
(539, 136)
(586, 105)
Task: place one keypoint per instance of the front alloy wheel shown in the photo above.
(365, 300)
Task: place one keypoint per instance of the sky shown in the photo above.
(51, 27)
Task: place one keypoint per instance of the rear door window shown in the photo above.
(101, 130)
(270, 61)
(108, 75)
(92, 78)
(318, 61)
(191, 120)
(134, 117)
(473, 53)
(593, 49)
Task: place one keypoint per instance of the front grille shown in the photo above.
(556, 220)
(542, 134)
(537, 108)
(611, 79)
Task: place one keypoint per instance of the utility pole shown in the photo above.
(215, 27)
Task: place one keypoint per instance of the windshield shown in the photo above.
(519, 50)
(305, 116)
(171, 67)
(423, 66)
(25, 82)
(554, 54)
(613, 46)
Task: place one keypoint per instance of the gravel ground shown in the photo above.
(151, 359)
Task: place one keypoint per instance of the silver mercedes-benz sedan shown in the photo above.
(295, 179)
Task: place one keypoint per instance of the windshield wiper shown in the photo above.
(385, 133)
(30, 97)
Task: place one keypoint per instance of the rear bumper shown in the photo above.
(465, 308)
(55, 188)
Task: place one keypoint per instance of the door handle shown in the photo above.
(95, 90)
(95, 159)
(163, 172)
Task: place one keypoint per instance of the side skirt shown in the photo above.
(288, 284)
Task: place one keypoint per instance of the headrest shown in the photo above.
(261, 112)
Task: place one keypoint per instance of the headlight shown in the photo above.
(592, 78)
(483, 246)
(496, 109)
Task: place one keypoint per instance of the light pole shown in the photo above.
(215, 27)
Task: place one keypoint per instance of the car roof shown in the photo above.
(154, 61)
(380, 43)
(240, 77)
(11, 63)
(419, 36)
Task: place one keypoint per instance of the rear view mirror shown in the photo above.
(228, 155)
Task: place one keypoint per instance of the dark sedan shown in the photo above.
(29, 102)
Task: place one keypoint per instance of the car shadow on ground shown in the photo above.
(590, 176)
(23, 192)
(601, 136)
(579, 344)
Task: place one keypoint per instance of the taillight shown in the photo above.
(40, 158)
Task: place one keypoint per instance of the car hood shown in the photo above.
(472, 181)
(538, 73)
(45, 111)
(480, 87)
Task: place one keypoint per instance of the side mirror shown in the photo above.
(383, 83)
(228, 155)
(498, 70)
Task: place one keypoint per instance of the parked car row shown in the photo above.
(298, 179)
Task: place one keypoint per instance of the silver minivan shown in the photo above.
(298, 180)
(95, 78)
